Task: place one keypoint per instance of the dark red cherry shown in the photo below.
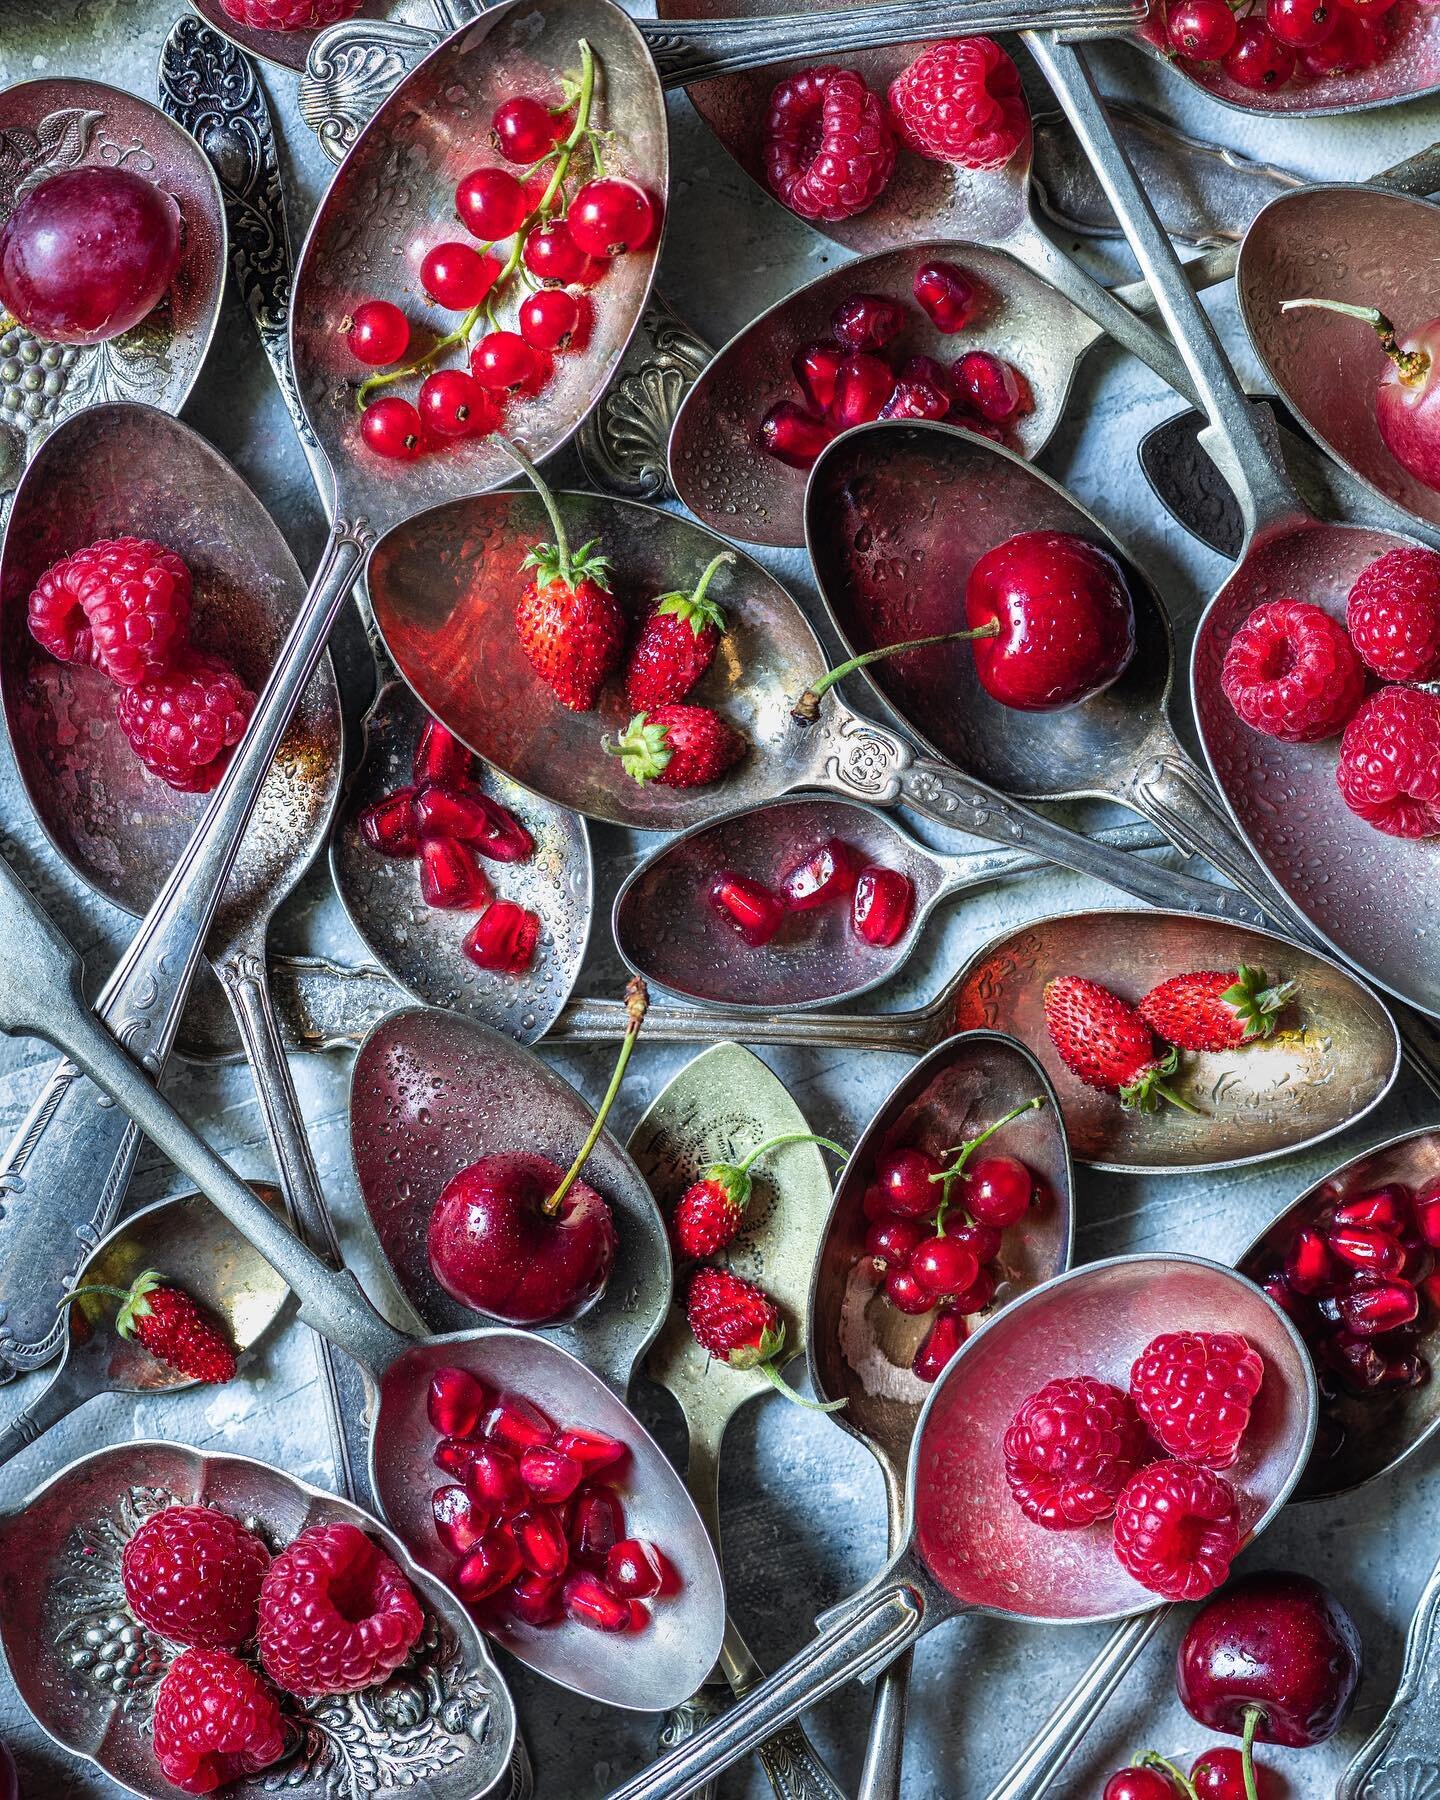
(1138, 1783)
(1220, 1775)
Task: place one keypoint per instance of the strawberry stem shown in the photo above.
(778, 1382)
(807, 707)
(637, 1001)
(963, 1152)
(1413, 365)
(725, 556)
(547, 500)
(94, 1287)
(790, 1137)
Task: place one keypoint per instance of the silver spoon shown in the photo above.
(289, 49)
(861, 1348)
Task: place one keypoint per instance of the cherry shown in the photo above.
(1309, 1267)
(882, 906)
(906, 1293)
(457, 276)
(456, 1402)
(634, 1570)
(1060, 618)
(1300, 23)
(999, 1190)
(459, 1522)
(611, 215)
(554, 319)
(503, 939)
(377, 332)
(552, 255)
(944, 1267)
(825, 874)
(535, 1600)
(1201, 30)
(389, 825)
(890, 1241)
(454, 405)
(1365, 1247)
(905, 1179)
(938, 1345)
(391, 427)
(816, 367)
(867, 321)
(523, 130)
(491, 204)
(1387, 1208)
(450, 878)
(948, 297)
(493, 1563)
(1257, 59)
(1220, 1775)
(504, 362)
(863, 383)
(440, 756)
(1382, 1306)
(792, 435)
(748, 905)
(989, 385)
(1140, 1783)
(1273, 1656)
(88, 253)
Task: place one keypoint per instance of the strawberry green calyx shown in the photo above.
(734, 1178)
(556, 562)
(1412, 366)
(644, 749)
(763, 1358)
(1151, 1086)
(1256, 1004)
(134, 1300)
(696, 609)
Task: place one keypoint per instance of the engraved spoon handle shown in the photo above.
(55, 1401)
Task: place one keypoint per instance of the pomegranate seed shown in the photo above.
(491, 204)
(863, 384)
(1387, 1208)
(516, 1423)
(750, 907)
(1285, 1297)
(493, 1478)
(1257, 59)
(634, 1570)
(377, 333)
(1356, 1361)
(999, 1191)
(1308, 1264)
(982, 1240)
(1377, 1307)
(504, 939)
(1419, 1258)
(1363, 1247)
(611, 215)
(504, 362)
(947, 295)
(389, 825)
(523, 130)
(890, 1241)
(493, 1562)
(1407, 1370)
(540, 1537)
(938, 1345)
(989, 385)
(1201, 30)
(450, 878)
(884, 901)
(458, 276)
(455, 1456)
(915, 400)
(906, 1293)
(867, 321)
(591, 1449)
(589, 1602)
(639, 1615)
(454, 405)
(1427, 1212)
(459, 1522)
(550, 1474)
(904, 1178)
(440, 756)
(555, 319)
(391, 427)
(827, 873)
(535, 1600)
(942, 1266)
(816, 366)
(598, 1524)
(552, 255)
(977, 1296)
(471, 817)
(792, 435)
(455, 1402)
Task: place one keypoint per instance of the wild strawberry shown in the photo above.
(215, 1722)
(1291, 672)
(678, 746)
(570, 625)
(1215, 1009)
(740, 1325)
(961, 102)
(1393, 615)
(175, 1329)
(1176, 1529)
(710, 1211)
(193, 1574)
(1389, 769)
(1194, 1390)
(1107, 1044)
(676, 645)
(1070, 1449)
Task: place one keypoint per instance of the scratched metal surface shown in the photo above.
(798, 1495)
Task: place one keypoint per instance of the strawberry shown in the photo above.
(1215, 1009)
(710, 1211)
(740, 1325)
(1107, 1044)
(570, 625)
(175, 1329)
(676, 645)
(678, 746)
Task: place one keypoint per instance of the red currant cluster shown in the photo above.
(444, 818)
(560, 247)
(846, 380)
(882, 901)
(937, 1230)
(1263, 44)
(532, 1515)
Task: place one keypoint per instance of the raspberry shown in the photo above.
(1193, 1389)
(1389, 771)
(828, 150)
(1394, 615)
(1292, 673)
(1176, 1529)
(193, 1575)
(336, 1613)
(961, 102)
(289, 15)
(136, 596)
(181, 724)
(215, 1721)
(1070, 1449)
(57, 619)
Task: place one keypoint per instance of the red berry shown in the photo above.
(611, 215)
(490, 1566)
(502, 360)
(193, 1574)
(748, 905)
(998, 1191)
(1176, 1529)
(504, 938)
(1137, 1783)
(939, 1344)
(591, 1449)
(121, 603)
(882, 907)
(539, 1534)
(904, 1177)
(977, 1296)
(535, 1600)
(377, 333)
(917, 398)
(491, 204)
(1069, 1451)
(816, 367)
(863, 384)
(1355, 43)
(492, 1477)
(598, 1523)
(907, 1293)
(635, 1570)
(1387, 1208)
(825, 874)
(736, 1321)
(1368, 9)
(1427, 1212)
(336, 1613)
(453, 404)
(1291, 672)
(1393, 615)
(948, 296)
(1200, 30)
(792, 435)
(456, 1402)
(1194, 1390)
(890, 1241)
(1258, 60)
(961, 102)
(215, 1722)
(184, 723)
(457, 276)
(1389, 769)
(989, 385)
(983, 1240)
(288, 15)
(944, 1267)
(866, 322)
(828, 150)
(460, 1522)
(391, 427)
(554, 319)
(679, 746)
(552, 255)
(450, 878)
(1301, 24)
(523, 130)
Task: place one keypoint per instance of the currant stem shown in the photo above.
(966, 1151)
(1254, 1715)
(807, 707)
(790, 1137)
(637, 1001)
(547, 500)
(1413, 365)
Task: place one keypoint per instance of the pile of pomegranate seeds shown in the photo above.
(864, 370)
(444, 820)
(1080, 1453)
(882, 901)
(937, 1229)
(1266, 44)
(560, 245)
(533, 1516)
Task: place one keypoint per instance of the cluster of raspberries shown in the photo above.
(331, 1614)
(122, 606)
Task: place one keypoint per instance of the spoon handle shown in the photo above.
(907, 1033)
(55, 1401)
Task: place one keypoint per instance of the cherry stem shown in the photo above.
(778, 1381)
(790, 1137)
(807, 707)
(725, 556)
(547, 500)
(966, 1151)
(1413, 365)
(1254, 1716)
(637, 1001)
(1152, 1759)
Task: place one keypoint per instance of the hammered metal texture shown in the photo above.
(1332, 1058)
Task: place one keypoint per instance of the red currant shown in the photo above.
(1257, 59)
(906, 1294)
(391, 428)
(491, 203)
(1355, 43)
(944, 1267)
(1201, 30)
(1139, 1783)
(610, 215)
(377, 333)
(457, 276)
(555, 319)
(904, 1177)
(982, 1240)
(504, 361)
(998, 1191)
(552, 255)
(524, 129)
(454, 405)
(1300, 23)
(891, 1240)
(1368, 9)
(977, 1296)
